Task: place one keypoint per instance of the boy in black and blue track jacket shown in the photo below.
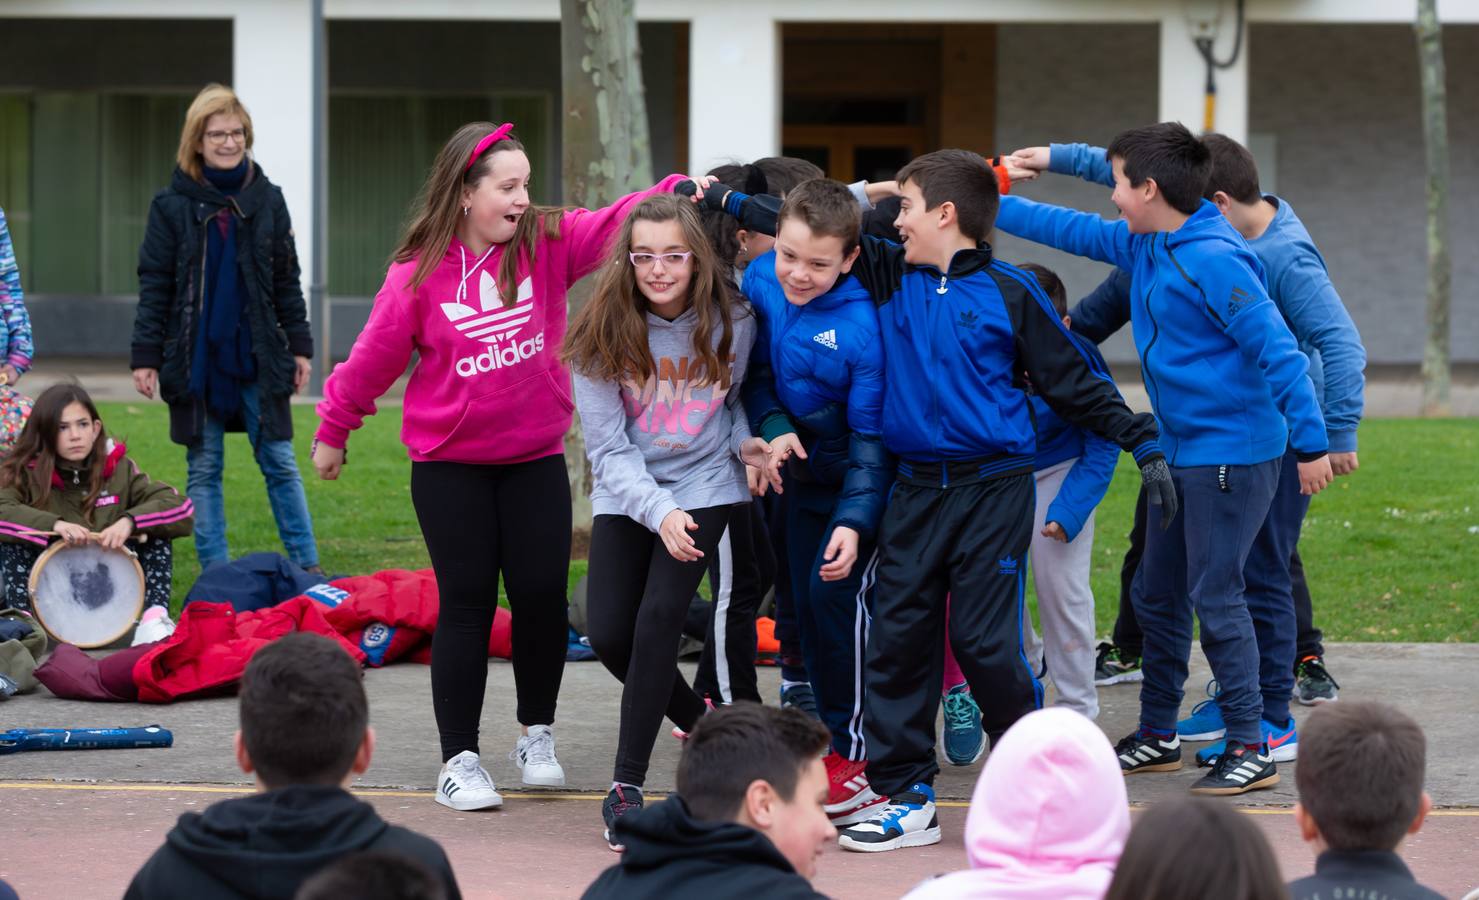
(1231, 391)
(960, 329)
(815, 390)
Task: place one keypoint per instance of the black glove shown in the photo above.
(1155, 478)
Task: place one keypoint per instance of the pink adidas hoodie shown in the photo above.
(488, 386)
(1048, 819)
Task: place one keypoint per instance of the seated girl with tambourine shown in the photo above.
(67, 479)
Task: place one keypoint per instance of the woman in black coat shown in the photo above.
(221, 331)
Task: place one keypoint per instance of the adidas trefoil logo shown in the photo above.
(967, 319)
(492, 323)
(1007, 566)
(827, 339)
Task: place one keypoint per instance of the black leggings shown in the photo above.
(156, 558)
(638, 600)
(480, 522)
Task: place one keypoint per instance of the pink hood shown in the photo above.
(488, 386)
(1049, 816)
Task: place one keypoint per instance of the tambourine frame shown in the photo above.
(35, 579)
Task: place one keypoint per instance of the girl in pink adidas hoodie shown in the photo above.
(476, 290)
(1048, 819)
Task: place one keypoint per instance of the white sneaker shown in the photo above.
(534, 754)
(155, 625)
(465, 785)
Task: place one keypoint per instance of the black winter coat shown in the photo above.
(171, 277)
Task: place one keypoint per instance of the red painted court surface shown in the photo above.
(73, 840)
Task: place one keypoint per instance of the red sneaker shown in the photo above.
(849, 798)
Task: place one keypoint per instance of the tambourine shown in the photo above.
(87, 595)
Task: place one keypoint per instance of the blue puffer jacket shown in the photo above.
(817, 370)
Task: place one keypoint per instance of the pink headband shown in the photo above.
(498, 134)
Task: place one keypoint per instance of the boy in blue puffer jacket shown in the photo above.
(1224, 375)
(815, 392)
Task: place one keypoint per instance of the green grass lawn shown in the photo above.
(1392, 552)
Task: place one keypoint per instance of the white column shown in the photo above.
(1183, 76)
(734, 107)
(272, 62)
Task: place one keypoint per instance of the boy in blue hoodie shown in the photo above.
(815, 392)
(1299, 284)
(962, 333)
(1224, 375)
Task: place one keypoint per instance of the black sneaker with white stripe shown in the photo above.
(1237, 771)
(1144, 752)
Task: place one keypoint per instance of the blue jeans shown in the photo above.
(1197, 564)
(206, 462)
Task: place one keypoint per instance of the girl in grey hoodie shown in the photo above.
(657, 357)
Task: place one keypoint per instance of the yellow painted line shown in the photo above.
(516, 795)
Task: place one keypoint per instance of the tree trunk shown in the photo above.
(1435, 368)
(607, 151)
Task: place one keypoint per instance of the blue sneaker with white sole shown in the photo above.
(1282, 741)
(964, 741)
(908, 820)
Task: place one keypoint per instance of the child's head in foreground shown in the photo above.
(761, 766)
(1360, 776)
(816, 241)
(304, 717)
(948, 197)
(1196, 847)
(1160, 172)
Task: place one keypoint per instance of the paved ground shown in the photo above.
(129, 798)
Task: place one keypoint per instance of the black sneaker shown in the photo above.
(802, 697)
(1313, 684)
(1115, 666)
(1237, 771)
(1144, 752)
(621, 801)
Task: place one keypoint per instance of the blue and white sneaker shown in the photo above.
(964, 741)
(908, 820)
(1205, 722)
(1282, 742)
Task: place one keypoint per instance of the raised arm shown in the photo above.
(1080, 233)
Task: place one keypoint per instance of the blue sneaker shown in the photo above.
(1205, 722)
(964, 740)
(1282, 742)
(907, 820)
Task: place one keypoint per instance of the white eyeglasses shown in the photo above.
(669, 260)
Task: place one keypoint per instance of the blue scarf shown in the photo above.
(222, 360)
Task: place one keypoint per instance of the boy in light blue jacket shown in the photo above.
(1232, 394)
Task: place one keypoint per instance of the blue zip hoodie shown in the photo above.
(817, 370)
(958, 343)
(1086, 483)
(1297, 280)
(1223, 372)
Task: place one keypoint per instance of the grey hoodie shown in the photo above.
(667, 445)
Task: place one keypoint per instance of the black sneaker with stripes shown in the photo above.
(1237, 771)
(1144, 752)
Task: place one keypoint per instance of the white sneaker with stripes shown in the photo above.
(1237, 771)
(465, 785)
(1144, 752)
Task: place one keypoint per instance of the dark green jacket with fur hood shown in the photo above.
(157, 509)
